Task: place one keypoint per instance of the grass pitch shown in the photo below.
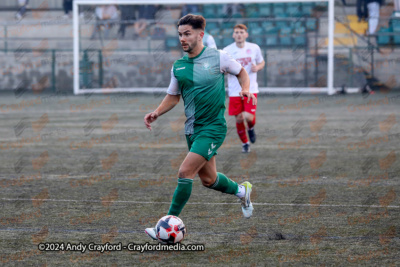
(325, 172)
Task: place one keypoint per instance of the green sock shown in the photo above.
(181, 196)
(225, 185)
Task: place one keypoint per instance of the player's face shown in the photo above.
(189, 37)
(240, 35)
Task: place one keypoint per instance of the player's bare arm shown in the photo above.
(258, 67)
(244, 81)
(168, 103)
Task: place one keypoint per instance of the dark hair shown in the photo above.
(240, 26)
(196, 21)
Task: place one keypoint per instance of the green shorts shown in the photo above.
(205, 144)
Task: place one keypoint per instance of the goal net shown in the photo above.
(125, 46)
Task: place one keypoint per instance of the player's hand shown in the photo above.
(150, 118)
(254, 68)
(249, 96)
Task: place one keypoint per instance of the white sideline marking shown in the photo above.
(203, 203)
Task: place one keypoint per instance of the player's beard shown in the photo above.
(190, 47)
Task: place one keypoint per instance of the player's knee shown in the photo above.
(185, 173)
(248, 116)
(239, 118)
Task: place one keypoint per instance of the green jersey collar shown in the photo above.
(192, 58)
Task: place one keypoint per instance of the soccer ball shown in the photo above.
(170, 229)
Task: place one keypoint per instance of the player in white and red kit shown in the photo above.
(250, 57)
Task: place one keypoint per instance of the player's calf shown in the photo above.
(251, 121)
(223, 184)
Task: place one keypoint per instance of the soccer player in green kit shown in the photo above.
(199, 78)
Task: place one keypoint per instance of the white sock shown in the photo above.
(241, 192)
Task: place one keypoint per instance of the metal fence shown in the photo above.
(33, 4)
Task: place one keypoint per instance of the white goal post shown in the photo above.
(76, 49)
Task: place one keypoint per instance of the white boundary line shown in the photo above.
(202, 203)
(279, 90)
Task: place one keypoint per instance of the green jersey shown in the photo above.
(200, 81)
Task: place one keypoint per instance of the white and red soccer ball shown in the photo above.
(170, 229)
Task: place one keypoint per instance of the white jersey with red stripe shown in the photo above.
(246, 56)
